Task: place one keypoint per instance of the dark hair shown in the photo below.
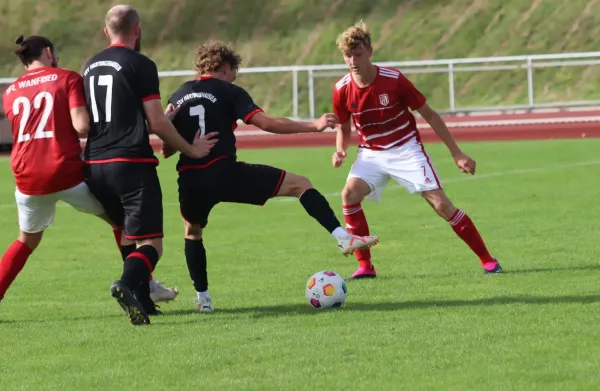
(31, 49)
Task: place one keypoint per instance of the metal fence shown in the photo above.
(527, 64)
(451, 67)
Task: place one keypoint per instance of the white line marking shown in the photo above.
(450, 180)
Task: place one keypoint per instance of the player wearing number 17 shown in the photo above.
(123, 96)
(378, 100)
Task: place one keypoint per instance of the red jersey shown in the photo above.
(46, 154)
(380, 111)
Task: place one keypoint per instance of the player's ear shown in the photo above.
(106, 32)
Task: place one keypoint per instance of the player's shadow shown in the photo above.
(305, 309)
(555, 269)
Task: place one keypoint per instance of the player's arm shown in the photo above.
(464, 162)
(417, 102)
(250, 113)
(165, 149)
(344, 130)
(80, 117)
(282, 125)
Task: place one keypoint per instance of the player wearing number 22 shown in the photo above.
(213, 103)
(378, 100)
(46, 107)
(123, 97)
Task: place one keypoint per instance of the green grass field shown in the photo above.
(431, 321)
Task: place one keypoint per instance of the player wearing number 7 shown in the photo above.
(213, 102)
(378, 100)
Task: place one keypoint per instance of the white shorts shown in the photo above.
(409, 165)
(36, 212)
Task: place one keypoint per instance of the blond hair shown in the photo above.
(211, 56)
(353, 37)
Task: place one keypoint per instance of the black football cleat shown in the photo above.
(132, 307)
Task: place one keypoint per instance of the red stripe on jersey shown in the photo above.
(251, 114)
(124, 160)
(148, 236)
(150, 97)
(200, 166)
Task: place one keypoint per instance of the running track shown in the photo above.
(501, 127)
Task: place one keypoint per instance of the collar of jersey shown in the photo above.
(204, 77)
(117, 45)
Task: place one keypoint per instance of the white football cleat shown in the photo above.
(354, 243)
(205, 305)
(159, 293)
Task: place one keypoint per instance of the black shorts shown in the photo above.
(131, 196)
(225, 181)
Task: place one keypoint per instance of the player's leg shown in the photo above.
(198, 193)
(36, 213)
(354, 192)
(464, 227)
(317, 207)
(413, 170)
(366, 180)
(142, 203)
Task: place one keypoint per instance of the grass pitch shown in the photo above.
(430, 321)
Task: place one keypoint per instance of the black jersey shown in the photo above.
(117, 82)
(211, 105)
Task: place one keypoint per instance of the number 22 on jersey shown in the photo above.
(25, 104)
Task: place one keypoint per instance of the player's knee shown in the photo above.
(156, 243)
(441, 204)
(350, 196)
(193, 231)
(295, 185)
(31, 240)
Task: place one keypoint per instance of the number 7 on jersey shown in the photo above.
(199, 111)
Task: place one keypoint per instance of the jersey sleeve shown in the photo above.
(243, 104)
(76, 91)
(410, 94)
(149, 86)
(339, 106)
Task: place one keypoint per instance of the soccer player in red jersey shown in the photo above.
(47, 109)
(379, 100)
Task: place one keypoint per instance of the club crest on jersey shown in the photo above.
(384, 99)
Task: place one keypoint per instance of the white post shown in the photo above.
(451, 86)
(295, 92)
(311, 94)
(530, 80)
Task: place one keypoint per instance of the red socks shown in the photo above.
(356, 223)
(12, 263)
(465, 229)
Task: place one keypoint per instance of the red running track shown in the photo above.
(503, 127)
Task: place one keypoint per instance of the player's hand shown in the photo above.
(465, 163)
(171, 111)
(328, 120)
(338, 158)
(166, 150)
(203, 144)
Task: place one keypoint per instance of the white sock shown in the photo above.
(340, 233)
(203, 295)
(153, 285)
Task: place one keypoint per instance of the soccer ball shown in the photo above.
(326, 289)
